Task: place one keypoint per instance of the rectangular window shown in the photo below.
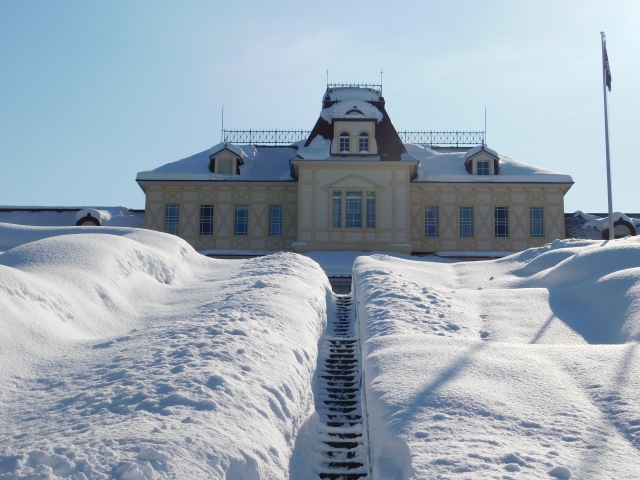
(482, 168)
(337, 209)
(466, 222)
(344, 143)
(275, 220)
(501, 222)
(371, 209)
(354, 210)
(206, 219)
(171, 219)
(364, 143)
(225, 165)
(431, 221)
(536, 222)
(241, 221)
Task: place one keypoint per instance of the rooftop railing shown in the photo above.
(373, 86)
(288, 137)
(451, 138)
(265, 137)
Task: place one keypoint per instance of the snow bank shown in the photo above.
(523, 367)
(131, 356)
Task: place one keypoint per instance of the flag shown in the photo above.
(607, 70)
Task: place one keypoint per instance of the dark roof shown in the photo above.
(390, 146)
(574, 226)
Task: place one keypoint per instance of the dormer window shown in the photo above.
(225, 159)
(344, 143)
(355, 112)
(364, 143)
(225, 166)
(482, 167)
(481, 160)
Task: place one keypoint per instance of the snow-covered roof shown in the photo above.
(447, 165)
(260, 164)
(352, 93)
(341, 109)
(480, 148)
(272, 164)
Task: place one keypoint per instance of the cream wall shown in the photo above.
(355, 128)
(518, 197)
(318, 180)
(224, 197)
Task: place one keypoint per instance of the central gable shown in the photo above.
(354, 181)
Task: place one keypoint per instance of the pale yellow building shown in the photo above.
(354, 185)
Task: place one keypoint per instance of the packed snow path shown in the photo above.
(342, 435)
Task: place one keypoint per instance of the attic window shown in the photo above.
(482, 167)
(364, 143)
(225, 166)
(344, 142)
(355, 112)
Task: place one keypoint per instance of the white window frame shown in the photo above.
(368, 216)
(347, 139)
(276, 221)
(363, 138)
(336, 209)
(537, 222)
(206, 221)
(237, 221)
(501, 225)
(172, 218)
(486, 163)
(431, 221)
(467, 227)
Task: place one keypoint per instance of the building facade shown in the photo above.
(354, 185)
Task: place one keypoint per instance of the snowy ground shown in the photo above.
(524, 367)
(125, 354)
(128, 355)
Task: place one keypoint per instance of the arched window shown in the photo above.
(344, 142)
(364, 143)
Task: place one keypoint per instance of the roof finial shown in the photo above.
(380, 81)
(327, 79)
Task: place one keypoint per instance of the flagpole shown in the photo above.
(606, 134)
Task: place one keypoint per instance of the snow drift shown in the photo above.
(523, 367)
(128, 355)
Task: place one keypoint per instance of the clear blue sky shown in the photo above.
(93, 92)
